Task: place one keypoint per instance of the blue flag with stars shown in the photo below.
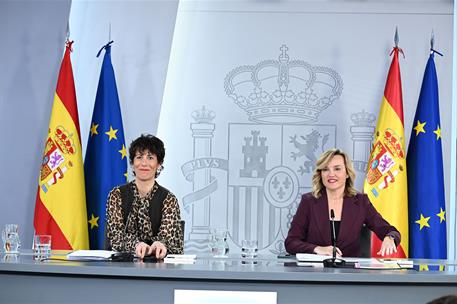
(105, 165)
(427, 215)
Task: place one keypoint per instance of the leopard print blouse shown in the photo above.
(139, 227)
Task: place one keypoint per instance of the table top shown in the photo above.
(233, 268)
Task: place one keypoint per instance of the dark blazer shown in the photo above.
(310, 226)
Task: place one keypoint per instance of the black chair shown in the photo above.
(365, 242)
(183, 225)
(107, 243)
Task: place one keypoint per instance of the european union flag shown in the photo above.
(105, 165)
(427, 215)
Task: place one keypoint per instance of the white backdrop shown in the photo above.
(32, 36)
(142, 32)
(192, 59)
(244, 172)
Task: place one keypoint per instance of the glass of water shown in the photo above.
(10, 238)
(218, 242)
(249, 249)
(41, 246)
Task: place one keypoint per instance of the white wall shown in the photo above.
(214, 39)
(210, 39)
(142, 32)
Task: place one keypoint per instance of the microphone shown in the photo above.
(335, 262)
(332, 218)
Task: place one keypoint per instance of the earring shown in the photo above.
(159, 170)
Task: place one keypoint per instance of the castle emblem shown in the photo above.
(255, 153)
(59, 146)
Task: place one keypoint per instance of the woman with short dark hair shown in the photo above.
(142, 216)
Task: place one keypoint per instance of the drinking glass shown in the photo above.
(10, 238)
(218, 242)
(249, 249)
(41, 246)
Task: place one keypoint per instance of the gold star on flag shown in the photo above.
(423, 222)
(126, 174)
(423, 267)
(111, 133)
(441, 215)
(93, 129)
(93, 221)
(419, 127)
(123, 152)
(437, 132)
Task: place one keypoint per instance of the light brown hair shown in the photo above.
(322, 162)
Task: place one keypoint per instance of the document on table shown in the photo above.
(180, 258)
(385, 264)
(90, 255)
(308, 257)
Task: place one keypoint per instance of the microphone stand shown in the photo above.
(335, 262)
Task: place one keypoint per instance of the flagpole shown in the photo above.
(452, 248)
(432, 45)
(396, 38)
(67, 32)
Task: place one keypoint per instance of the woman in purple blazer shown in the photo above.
(333, 189)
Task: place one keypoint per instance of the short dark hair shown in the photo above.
(147, 142)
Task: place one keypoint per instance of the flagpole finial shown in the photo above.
(432, 44)
(68, 43)
(105, 47)
(67, 32)
(396, 39)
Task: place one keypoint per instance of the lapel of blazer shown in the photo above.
(348, 216)
(321, 217)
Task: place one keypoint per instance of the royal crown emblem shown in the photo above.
(363, 119)
(203, 115)
(283, 91)
(64, 140)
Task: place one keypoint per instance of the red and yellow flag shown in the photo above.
(386, 183)
(60, 208)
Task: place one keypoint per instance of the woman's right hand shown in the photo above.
(327, 250)
(141, 249)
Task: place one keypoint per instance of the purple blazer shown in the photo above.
(310, 226)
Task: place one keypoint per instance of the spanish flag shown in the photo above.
(386, 182)
(60, 208)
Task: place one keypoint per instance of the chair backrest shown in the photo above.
(183, 224)
(365, 242)
(107, 243)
